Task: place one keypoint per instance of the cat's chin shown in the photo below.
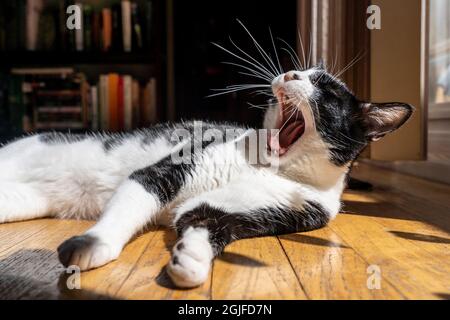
(290, 126)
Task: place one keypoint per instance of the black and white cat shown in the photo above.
(127, 181)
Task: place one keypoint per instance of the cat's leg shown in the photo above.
(129, 210)
(21, 201)
(135, 204)
(206, 224)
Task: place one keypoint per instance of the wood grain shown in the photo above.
(255, 269)
(402, 226)
(329, 269)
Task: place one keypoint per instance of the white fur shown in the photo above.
(193, 260)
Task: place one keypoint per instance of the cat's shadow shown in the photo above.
(31, 274)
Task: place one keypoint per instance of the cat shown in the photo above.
(128, 181)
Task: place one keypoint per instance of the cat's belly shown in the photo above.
(78, 177)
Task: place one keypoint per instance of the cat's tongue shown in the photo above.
(286, 137)
(291, 133)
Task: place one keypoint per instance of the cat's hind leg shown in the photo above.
(21, 201)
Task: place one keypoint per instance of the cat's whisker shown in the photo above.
(302, 47)
(263, 76)
(350, 64)
(267, 72)
(295, 63)
(265, 56)
(280, 68)
(253, 75)
(294, 53)
(243, 59)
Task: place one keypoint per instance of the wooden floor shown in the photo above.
(401, 229)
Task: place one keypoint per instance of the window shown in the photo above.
(439, 59)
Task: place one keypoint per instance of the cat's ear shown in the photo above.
(380, 119)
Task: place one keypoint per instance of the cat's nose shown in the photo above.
(291, 75)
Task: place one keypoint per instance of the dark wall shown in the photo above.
(198, 67)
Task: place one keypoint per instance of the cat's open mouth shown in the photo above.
(290, 125)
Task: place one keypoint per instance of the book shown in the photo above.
(148, 21)
(94, 108)
(69, 34)
(33, 12)
(79, 33)
(117, 43)
(148, 107)
(97, 31)
(137, 29)
(104, 102)
(106, 29)
(87, 18)
(135, 102)
(128, 102)
(16, 104)
(113, 81)
(120, 104)
(152, 108)
(126, 25)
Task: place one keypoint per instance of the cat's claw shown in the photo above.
(191, 261)
(86, 252)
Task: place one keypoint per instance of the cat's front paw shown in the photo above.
(86, 252)
(191, 260)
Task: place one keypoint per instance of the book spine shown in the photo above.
(148, 22)
(128, 102)
(153, 112)
(137, 29)
(126, 25)
(113, 80)
(94, 108)
(16, 106)
(96, 31)
(107, 28)
(79, 41)
(87, 25)
(34, 8)
(120, 105)
(104, 102)
(136, 102)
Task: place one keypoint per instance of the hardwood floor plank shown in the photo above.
(30, 269)
(406, 223)
(420, 188)
(11, 234)
(148, 280)
(255, 269)
(417, 273)
(108, 279)
(329, 269)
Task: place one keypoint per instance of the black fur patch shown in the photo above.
(163, 179)
(226, 227)
(338, 118)
(68, 247)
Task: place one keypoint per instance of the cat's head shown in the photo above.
(315, 111)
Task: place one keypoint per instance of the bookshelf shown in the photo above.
(145, 63)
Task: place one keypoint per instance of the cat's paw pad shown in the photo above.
(191, 262)
(86, 252)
